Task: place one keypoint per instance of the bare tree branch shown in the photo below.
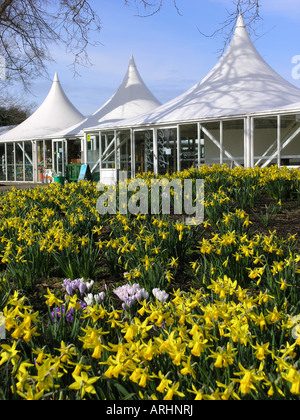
(29, 28)
(251, 13)
(151, 7)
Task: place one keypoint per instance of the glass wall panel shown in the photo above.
(20, 161)
(108, 151)
(28, 161)
(143, 151)
(266, 144)
(209, 139)
(2, 163)
(40, 158)
(93, 155)
(290, 140)
(189, 147)
(48, 154)
(167, 150)
(74, 152)
(60, 157)
(10, 161)
(93, 150)
(265, 140)
(124, 152)
(233, 142)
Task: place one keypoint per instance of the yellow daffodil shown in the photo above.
(9, 353)
(31, 394)
(84, 384)
(52, 299)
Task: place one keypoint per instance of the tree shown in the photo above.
(28, 28)
(13, 115)
(14, 109)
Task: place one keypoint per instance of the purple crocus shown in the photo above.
(129, 295)
(57, 314)
(82, 288)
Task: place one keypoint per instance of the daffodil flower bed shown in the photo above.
(198, 313)
(196, 345)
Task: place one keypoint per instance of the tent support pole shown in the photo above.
(155, 152)
(116, 156)
(252, 142)
(247, 142)
(6, 161)
(24, 162)
(221, 143)
(53, 155)
(133, 156)
(65, 146)
(15, 162)
(199, 144)
(100, 155)
(278, 141)
(85, 152)
(178, 148)
(34, 160)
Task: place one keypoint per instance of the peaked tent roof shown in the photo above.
(55, 113)
(241, 83)
(132, 98)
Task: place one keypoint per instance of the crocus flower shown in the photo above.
(160, 295)
(89, 299)
(100, 297)
(82, 288)
(90, 285)
(129, 295)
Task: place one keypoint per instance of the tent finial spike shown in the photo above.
(132, 61)
(240, 21)
(56, 78)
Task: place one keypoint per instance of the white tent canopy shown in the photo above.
(132, 98)
(241, 83)
(55, 113)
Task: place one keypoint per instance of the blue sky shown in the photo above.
(169, 51)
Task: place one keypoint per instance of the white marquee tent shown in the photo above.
(241, 113)
(131, 99)
(241, 83)
(55, 114)
(52, 137)
(24, 152)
